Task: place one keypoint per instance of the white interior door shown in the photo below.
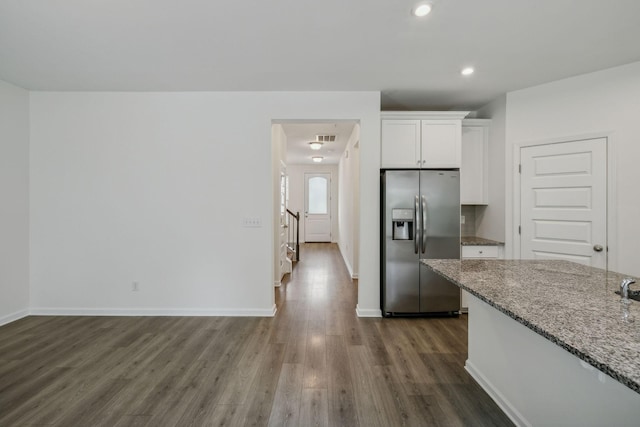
(564, 202)
(317, 207)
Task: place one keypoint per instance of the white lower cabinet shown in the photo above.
(477, 252)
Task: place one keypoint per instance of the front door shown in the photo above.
(317, 211)
(564, 202)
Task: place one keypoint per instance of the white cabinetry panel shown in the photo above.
(441, 143)
(479, 252)
(421, 139)
(475, 162)
(401, 143)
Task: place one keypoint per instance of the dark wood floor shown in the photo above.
(315, 363)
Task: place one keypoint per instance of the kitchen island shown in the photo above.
(549, 342)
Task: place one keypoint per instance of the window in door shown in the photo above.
(317, 207)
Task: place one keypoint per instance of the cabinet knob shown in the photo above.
(418, 163)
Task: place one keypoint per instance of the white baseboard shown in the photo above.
(346, 262)
(277, 284)
(506, 406)
(13, 317)
(368, 312)
(214, 312)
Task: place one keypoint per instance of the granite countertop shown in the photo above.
(478, 241)
(571, 305)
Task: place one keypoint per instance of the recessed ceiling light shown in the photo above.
(422, 10)
(317, 159)
(467, 71)
(315, 145)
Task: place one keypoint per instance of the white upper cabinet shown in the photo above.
(421, 139)
(441, 143)
(403, 147)
(474, 167)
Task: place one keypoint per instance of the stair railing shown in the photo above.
(293, 235)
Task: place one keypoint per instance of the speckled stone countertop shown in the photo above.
(478, 241)
(571, 305)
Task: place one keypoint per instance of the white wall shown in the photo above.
(278, 157)
(603, 102)
(152, 188)
(490, 219)
(349, 171)
(296, 193)
(14, 205)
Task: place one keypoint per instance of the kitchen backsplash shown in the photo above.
(469, 226)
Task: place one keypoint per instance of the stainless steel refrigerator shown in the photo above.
(420, 219)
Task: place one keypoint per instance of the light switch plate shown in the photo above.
(251, 222)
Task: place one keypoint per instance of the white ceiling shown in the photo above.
(300, 134)
(257, 45)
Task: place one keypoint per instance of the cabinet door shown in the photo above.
(473, 168)
(470, 252)
(400, 144)
(441, 143)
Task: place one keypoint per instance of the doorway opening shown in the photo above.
(319, 162)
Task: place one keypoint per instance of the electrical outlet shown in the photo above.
(135, 287)
(251, 222)
(461, 219)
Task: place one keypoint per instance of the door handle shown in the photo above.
(424, 224)
(416, 226)
(598, 248)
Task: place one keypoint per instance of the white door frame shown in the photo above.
(329, 200)
(612, 219)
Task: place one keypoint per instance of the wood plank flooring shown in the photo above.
(314, 364)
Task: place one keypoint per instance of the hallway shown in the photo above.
(318, 281)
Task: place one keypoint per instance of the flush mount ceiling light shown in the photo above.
(315, 145)
(467, 71)
(317, 159)
(421, 10)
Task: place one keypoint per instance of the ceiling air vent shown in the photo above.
(325, 138)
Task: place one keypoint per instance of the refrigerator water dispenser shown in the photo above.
(402, 220)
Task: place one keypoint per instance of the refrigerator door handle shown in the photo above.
(417, 227)
(424, 224)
